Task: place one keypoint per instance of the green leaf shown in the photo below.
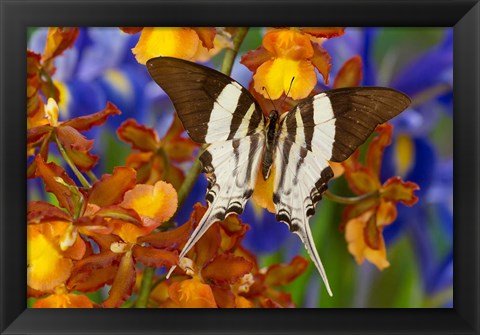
(399, 285)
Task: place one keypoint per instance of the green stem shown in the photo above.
(350, 200)
(67, 159)
(145, 288)
(230, 54)
(92, 176)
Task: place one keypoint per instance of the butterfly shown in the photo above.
(216, 110)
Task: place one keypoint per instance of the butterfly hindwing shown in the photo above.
(231, 168)
(212, 106)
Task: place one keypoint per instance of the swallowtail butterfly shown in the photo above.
(216, 110)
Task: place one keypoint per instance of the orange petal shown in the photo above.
(321, 60)
(192, 293)
(131, 30)
(173, 42)
(263, 191)
(276, 76)
(254, 58)
(119, 213)
(324, 32)
(242, 302)
(110, 189)
(59, 183)
(140, 137)
(157, 202)
(206, 35)
(377, 146)
(77, 147)
(208, 246)
(226, 268)
(283, 274)
(386, 213)
(155, 257)
(36, 134)
(354, 234)
(288, 43)
(85, 282)
(372, 234)
(180, 150)
(350, 74)
(397, 190)
(58, 40)
(123, 284)
(130, 233)
(46, 266)
(68, 300)
(223, 297)
(232, 232)
(361, 181)
(84, 123)
(168, 239)
(40, 211)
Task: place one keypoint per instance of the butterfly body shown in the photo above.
(271, 138)
(218, 111)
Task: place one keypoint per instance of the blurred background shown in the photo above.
(417, 61)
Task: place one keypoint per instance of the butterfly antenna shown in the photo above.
(286, 96)
(263, 88)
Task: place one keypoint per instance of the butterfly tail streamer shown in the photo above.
(305, 235)
(205, 223)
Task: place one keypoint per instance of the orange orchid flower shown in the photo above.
(289, 53)
(364, 221)
(68, 134)
(157, 159)
(40, 68)
(195, 44)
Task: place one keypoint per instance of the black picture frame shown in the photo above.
(463, 15)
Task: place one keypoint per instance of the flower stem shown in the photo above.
(67, 159)
(92, 176)
(230, 54)
(145, 288)
(350, 200)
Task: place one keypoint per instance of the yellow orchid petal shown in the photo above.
(354, 234)
(51, 112)
(276, 76)
(263, 191)
(242, 302)
(174, 42)
(192, 293)
(64, 300)
(46, 266)
(157, 202)
(405, 157)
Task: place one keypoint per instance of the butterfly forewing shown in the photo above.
(335, 123)
(217, 110)
(212, 106)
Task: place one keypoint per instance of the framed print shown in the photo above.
(322, 169)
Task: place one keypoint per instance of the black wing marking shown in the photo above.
(212, 106)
